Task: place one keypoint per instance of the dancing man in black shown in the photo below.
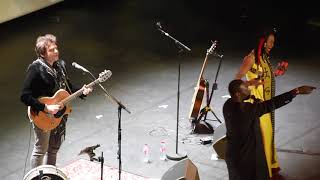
(245, 156)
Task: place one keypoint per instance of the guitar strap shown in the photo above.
(59, 133)
(50, 70)
(62, 68)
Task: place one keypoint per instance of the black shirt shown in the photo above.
(245, 155)
(43, 80)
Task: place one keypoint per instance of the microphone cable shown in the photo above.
(29, 143)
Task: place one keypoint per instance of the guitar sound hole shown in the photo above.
(60, 113)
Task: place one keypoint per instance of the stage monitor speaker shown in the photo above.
(220, 140)
(183, 170)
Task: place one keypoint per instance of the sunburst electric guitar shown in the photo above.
(200, 88)
(46, 121)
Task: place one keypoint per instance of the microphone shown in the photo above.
(89, 151)
(76, 65)
(158, 24)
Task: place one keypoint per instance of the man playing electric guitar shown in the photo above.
(44, 77)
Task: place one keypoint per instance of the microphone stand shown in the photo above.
(101, 160)
(91, 154)
(182, 47)
(120, 107)
(175, 40)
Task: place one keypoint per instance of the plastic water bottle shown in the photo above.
(146, 153)
(163, 155)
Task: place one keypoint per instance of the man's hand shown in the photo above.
(52, 108)
(305, 89)
(254, 82)
(86, 90)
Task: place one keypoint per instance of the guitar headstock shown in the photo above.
(212, 48)
(104, 75)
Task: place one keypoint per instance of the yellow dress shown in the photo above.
(265, 92)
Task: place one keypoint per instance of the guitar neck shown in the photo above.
(78, 93)
(202, 69)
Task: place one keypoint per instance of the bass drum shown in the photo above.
(48, 172)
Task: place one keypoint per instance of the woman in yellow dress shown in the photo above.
(257, 68)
